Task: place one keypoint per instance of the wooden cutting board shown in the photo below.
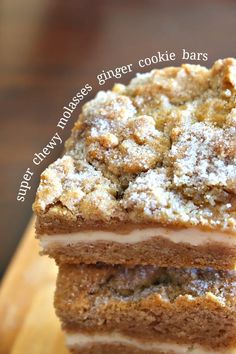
(28, 324)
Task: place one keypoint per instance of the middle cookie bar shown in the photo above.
(146, 309)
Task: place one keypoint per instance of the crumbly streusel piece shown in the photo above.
(146, 309)
(158, 153)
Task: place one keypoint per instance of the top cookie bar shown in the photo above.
(153, 160)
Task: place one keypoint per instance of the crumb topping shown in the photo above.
(171, 283)
(161, 149)
(137, 282)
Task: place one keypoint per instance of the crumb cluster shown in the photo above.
(161, 149)
(137, 282)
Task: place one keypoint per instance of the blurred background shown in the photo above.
(49, 49)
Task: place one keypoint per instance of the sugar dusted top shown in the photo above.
(160, 150)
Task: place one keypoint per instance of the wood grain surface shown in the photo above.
(28, 324)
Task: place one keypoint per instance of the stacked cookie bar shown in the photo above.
(140, 215)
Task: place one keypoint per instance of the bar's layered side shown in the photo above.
(149, 174)
(147, 309)
(160, 246)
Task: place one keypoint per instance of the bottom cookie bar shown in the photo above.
(146, 309)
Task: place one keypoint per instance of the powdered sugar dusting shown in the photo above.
(162, 149)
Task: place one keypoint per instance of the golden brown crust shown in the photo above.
(151, 303)
(162, 149)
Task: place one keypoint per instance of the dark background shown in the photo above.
(49, 49)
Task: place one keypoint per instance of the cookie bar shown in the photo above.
(148, 175)
(146, 309)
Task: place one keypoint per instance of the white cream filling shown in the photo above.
(82, 340)
(191, 236)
